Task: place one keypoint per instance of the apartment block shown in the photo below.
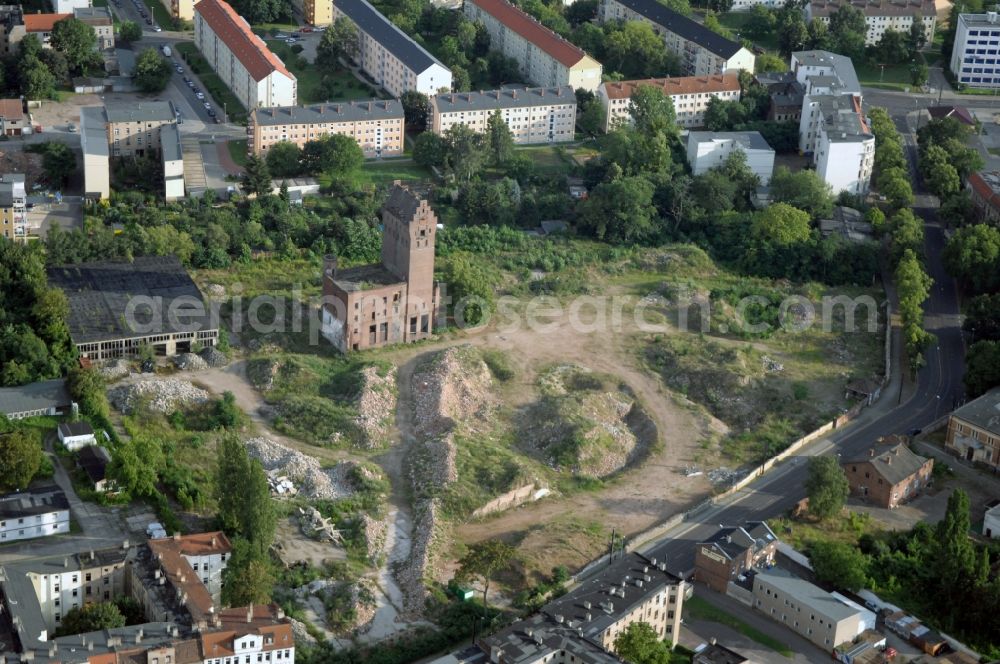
(98, 18)
(389, 55)
(377, 125)
(241, 59)
(533, 115)
(135, 129)
(747, 5)
(690, 95)
(889, 473)
(13, 207)
(67, 6)
(984, 191)
(315, 12)
(546, 59)
(974, 58)
(806, 609)
(702, 52)
(710, 149)
(33, 513)
(880, 15)
(732, 551)
(182, 9)
(974, 430)
(205, 553)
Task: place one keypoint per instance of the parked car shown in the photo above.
(306, 29)
(296, 35)
(187, 80)
(211, 113)
(157, 28)
(149, 21)
(207, 105)
(291, 40)
(199, 95)
(180, 70)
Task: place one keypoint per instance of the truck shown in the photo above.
(166, 50)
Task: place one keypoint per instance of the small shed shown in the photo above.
(94, 461)
(864, 389)
(75, 435)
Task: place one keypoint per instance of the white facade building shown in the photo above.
(67, 6)
(33, 513)
(974, 58)
(75, 435)
(710, 149)
(241, 59)
(880, 15)
(991, 522)
(389, 55)
(690, 95)
(173, 162)
(533, 115)
(96, 153)
(747, 5)
(206, 553)
(13, 207)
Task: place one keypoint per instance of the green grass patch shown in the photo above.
(697, 608)
(273, 28)
(735, 21)
(548, 159)
(894, 77)
(846, 527)
(238, 151)
(223, 97)
(315, 85)
(161, 15)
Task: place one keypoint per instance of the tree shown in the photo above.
(260, 11)
(416, 109)
(839, 564)
(37, 82)
(233, 463)
(499, 140)
(972, 256)
(59, 163)
(848, 29)
(244, 496)
(804, 190)
(768, 61)
(333, 154)
(483, 560)
(256, 177)
(465, 155)
(152, 72)
(792, 30)
(621, 211)
(471, 287)
(634, 50)
(57, 64)
(91, 618)
(780, 224)
(954, 558)
(430, 150)
(917, 36)
(137, 465)
(340, 40)
(826, 486)
(652, 112)
(982, 367)
(640, 644)
(591, 119)
(284, 160)
(88, 389)
(982, 318)
(248, 577)
(907, 234)
(891, 49)
(896, 188)
(20, 458)
(129, 31)
(77, 41)
(919, 73)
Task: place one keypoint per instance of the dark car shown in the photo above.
(187, 80)
(149, 21)
(296, 35)
(914, 432)
(211, 113)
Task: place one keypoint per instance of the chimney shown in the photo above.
(871, 452)
(92, 557)
(589, 616)
(369, 107)
(213, 541)
(250, 613)
(888, 460)
(65, 562)
(713, 641)
(330, 265)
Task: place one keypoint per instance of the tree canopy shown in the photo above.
(826, 486)
(483, 560)
(640, 644)
(152, 71)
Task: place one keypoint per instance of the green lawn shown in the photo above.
(895, 77)
(698, 609)
(550, 159)
(384, 172)
(735, 22)
(238, 151)
(224, 98)
(161, 15)
(315, 86)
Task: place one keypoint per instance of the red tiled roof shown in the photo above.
(42, 22)
(11, 109)
(984, 190)
(201, 544)
(248, 48)
(532, 30)
(960, 113)
(681, 85)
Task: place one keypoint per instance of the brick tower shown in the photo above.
(409, 225)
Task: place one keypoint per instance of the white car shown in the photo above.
(207, 105)
(291, 40)
(157, 28)
(200, 95)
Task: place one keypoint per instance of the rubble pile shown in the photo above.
(455, 384)
(410, 573)
(364, 604)
(261, 373)
(112, 370)
(376, 405)
(189, 362)
(313, 480)
(214, 357)
(160, 396)
(375, 531)
(301, 634)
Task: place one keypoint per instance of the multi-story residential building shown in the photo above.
(786, 95)
(832, 126)
(18, 25)
(182, 9)
(889, 474)
(67, 6)
(810, 611)
(584, 623)
(533, 115)
(546, 59)
(690, 95)
(880, 15)
(974, 57)
(702, 52)
(33, 513)
(96, 153)
(733, 550)
(984, 191)
(135, 129)
(710, 149)
(974, 430)
(98, 18)
(205, 554)
(13, 207)
(315, 12)
(747, 5)
(13, 120)
(377, 125)
(395, 301)
(389, 55)
(241, 59)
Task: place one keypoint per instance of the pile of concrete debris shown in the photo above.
(314, 480)
(376, 406)
(189, 362)
(160, 396)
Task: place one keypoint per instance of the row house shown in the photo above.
(690, 95)
(880, 15)
(376, 125)
(533, 115)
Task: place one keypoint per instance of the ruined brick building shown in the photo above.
(396, 300)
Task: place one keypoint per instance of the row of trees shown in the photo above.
(334, 155)
(35, 72)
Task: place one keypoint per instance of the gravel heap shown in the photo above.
(114, 369)
(189, 362)
(364, 604)
(301, 634)
(214, 357)
(161, 396)
(410, 573)
(375, 532)
(312, 479)
(376, 405)
(454, 385)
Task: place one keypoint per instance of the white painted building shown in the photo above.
(533, 115)
(880, 15)
(75, 435)
(974, 58)
(747, 5)
(991, 522)
(710, 149)
(206, 553)
(690, 95)
(173, 162)
(96, 153)
(33, 513)
(241, 59)
(389, 55)
(67, 6)
(62, 584)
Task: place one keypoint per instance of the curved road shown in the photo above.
(937, 390)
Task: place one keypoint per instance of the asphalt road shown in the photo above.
(938, 388)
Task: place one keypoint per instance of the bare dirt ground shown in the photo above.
(296, 547)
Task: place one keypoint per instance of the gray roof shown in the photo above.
(843, 122)
(540, 636)
(365, 277)
(340, 111)
(94, 460)
(147, 111)
(718, 654)
(451, 102)
(748, 139)
(684, 26)
(92, 15)
(983, 412)
(382, 30)
(807, 594)
(75, 429)
(93, 132)
(170, 143)
(126, 61)
(733, 541)
(7, 182)
(841, 65)
(402, 203)
(979, 20)
(34, 396)
(32, 502)
(99, 295)
(894, 462)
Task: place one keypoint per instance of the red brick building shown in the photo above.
(732, 551)
(890, 473)
(396, 300)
